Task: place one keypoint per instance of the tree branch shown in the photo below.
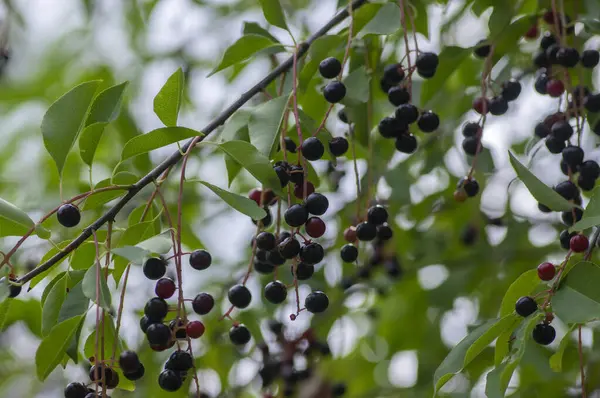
(176, 156)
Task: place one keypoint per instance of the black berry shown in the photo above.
(526, 306)
(135, 375)
(555, 145)
(13, 290)
(290, 145)
(573, 156)
(165, 288)
(471, 129)
(239, 335)
(511, 90)
(427, 61)
(145, 322)
(316, 302)
(390, 127)
(75, 390)
(304, 271)
(289, 248)
(296, 215)
(562, 130)
(384, 232)
(275, 292)
(498, 106)
(590, 169)
(156, 309)
(541, 130)
(111, 378)
(342, 116)
(567, 190)
(239, 296)
(263, 267)
(543, 208)
(265, 241)
(334, 92)
(330, 68)
(398, 96)
(543, 334)
(565, 239)
(407, 113)
(470, 185)
(282, 174)
(180, 361)
(68, 215)
(154, 268)
(349, 253)
(567, 217)
(428, 122)
(338, 389)
(312, 149)
(540, 83)
(590, 58)
(470, 145)
(169, 380)
(158, 334)
(275, 257)
(548, 39)
(296, 174)
(377, 215)
(200, 259)
(338, 146)
(483, 49)
(203, 303)
(406, 143)
(178, 327)
(393, 74)
(586, 184)
(129, 361)
(312, 253)
(568, 57)
(365, 231)
(316, 204)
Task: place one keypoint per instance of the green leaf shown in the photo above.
(89, 287)
(28, 311)
(4, 307)
(455, 360)
(556, 358)
(52, 305)
(238, 202)
(156, 244)
(52, 349)
(450, 59)
(99, 199)
(50, 285)
(156, 139)
(324, 45)
(499, 20)
(274, 13)
(540, 191)
(89, 140)
(591, 215)
(252, 28)
(168, 100)
(490, 334)
(64, 120)
(265, 123)
(252, 160)
(503, 341)
(385, 22)
(75, 304)
(89, 348)
(15, 222)
(243, 49)
(357, 87)
(523, 286)
(135, 255)
(106, 105)
(577, 299)
(84, 257)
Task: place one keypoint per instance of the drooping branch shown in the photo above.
(177, 155)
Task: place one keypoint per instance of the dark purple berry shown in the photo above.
(526, 306)
(200, 259)
(169, 380)
(239, 335)
(316, 204)
(312, 149)
(590, 58)
(334, 92)
(304, 271)
(365, 231)
(543, 334)
(239, 296)
(68, 215)
(349, 253)
(377, 215)
(338, 146)
(275, 292)
(428, 122)
(203, 303)
(406, 143)
(265, 241)
(398, 96)
(296, 215)
(330, 67)
(156, 309)
(154, 268)
(312, 253)
(316, 302)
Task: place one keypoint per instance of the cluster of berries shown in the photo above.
(281, 364)
(334, 91)
(398, 92)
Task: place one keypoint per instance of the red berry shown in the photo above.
(555, 88)
(481, 105)
(194, 329)
(165, 288)
(350, 234)
(299, 189)
(546, 271)
(579, 243)
(255, 195)
(532, 33)
(315, 227)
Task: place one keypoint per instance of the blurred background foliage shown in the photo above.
(387, 335)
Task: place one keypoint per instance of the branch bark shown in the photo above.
(177, 155)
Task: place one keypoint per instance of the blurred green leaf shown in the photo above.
(265, 123)
(52, 305)
(95, 200)
(156, 139)
(450, 59)
(522, 286)
(357, 87)
(385, 22)
(591, 215)
(243, 49)
(274, 13)
(488, 336)
(95, 287)
(53, 347)
(168, 100)
(556, 360)
(240, 203)
(577, 299)
(15, 222)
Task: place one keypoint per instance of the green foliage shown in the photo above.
(168, 100)
(53, 346)
(240, 203)
(156, 139)
(577, 300)
(244, 48)
(15, 222)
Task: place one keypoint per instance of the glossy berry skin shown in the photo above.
(541, 130)
(555, 88)
(565, 239)
(158, 334)
(316, 302)
(239, 335)
(427, 61)
(68, 215)
(471, 129)
(156, 309)
(590, 58)
(398, 96)
(265, 241)
(548, 39)
(407, 113)
(573, 156)
(428, 122)
(312, 253)
(511, 90)
(194, 329)
(316, 204)
(282, 175)
(330, 67)
(203, 303)
(312, 149)
(384, 232)
(275, 257)
(75, 390)
(275, 292)
(136, 374)
(334, 92)
(14, 290)
(541, 82)
(296, 215)
(543, 334)
(546, 271)
(299, 189)
(470, 146)
(554, 145)
(498, 106)
(349, 253)
(290, 145)
(526, 306)
(304, 271)
(180, 361)
(338, 146)
(129, 361)
(154, 268)
(289, 248)
(589, 169)
(567, 217)
(567, 189)
(315, 227)
(111, 378)
(426, 74)
(145, 322)
(483, 49)
(471, 186)
(390, 127)
(481, 105)
(393, 74)
(406, 143)
(365, 231)
(579, 243)
(201, 259)
(377, 215)
(169, 380)
(567, 57)
(165, 288)
(239, 296)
